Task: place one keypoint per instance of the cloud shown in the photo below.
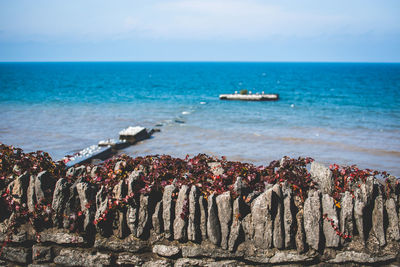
(177, 20)
(249, 19)
(224, 19)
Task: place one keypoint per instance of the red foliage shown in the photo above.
(346, 178)
(158, 171)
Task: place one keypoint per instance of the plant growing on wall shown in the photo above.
(157, 171)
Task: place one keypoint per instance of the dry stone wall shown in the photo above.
(181, 227)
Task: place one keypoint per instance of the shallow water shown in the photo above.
(334, 112)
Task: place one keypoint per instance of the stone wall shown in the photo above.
(180, 227)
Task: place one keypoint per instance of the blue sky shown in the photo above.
(200, 30)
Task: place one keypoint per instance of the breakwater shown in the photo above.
(120, 214)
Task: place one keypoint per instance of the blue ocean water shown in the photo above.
(345, 113)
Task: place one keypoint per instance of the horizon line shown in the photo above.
(191, 61)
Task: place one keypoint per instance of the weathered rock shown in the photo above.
(288, 220)
(392, 231)
(121, 229)
(120, 190)
(16, 254)
(258, 258)
(79, 257)
(120, 166)
(398, 206)
(236, 233)
(181, 214)
(370, 189)
(133, 209)
(19, 237)
(168, 210)
(61, 237)
(102, 226)
(253, 195)
(225, 263)
(281, 257)
(70, 172)
(166, 251)
(329, 208)
(277, 207)
(224, 205)
(359, 206)
(372, 244)
(239, 187)
(195, 252)
(44, 186)
(20, 188)
(248, 227)
(323, 176)
(144, 216)
(312, 219)
(40, 264)
(363, 196)
(87, 195)
(377, 220)
(41, 253)
(30, 195)
(372, 215)
(157, 221)
(94, 171)
(216, 168)
(346, 215)
(157, 263)
(128, 259)
(194, 233)
(132, 180)
(80, 171)
(189, 262)
(5, 224)
(262, 219)
(213, 226)
(16, 169)
(394, 184)
(11, 186)
(209, 251)
(72, 206)
(60, 198)
(129, 244)
(203, 217)
(101, 203)
(132, 217)
(360, 257)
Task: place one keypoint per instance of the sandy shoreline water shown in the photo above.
(335, 113)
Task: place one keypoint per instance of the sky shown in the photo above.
(200, 30)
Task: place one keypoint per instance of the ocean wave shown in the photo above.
(344, 146)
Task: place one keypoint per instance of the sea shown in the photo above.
(343, 113)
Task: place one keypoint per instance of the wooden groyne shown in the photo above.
(107, 148)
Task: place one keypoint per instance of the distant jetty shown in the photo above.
(243, 95)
